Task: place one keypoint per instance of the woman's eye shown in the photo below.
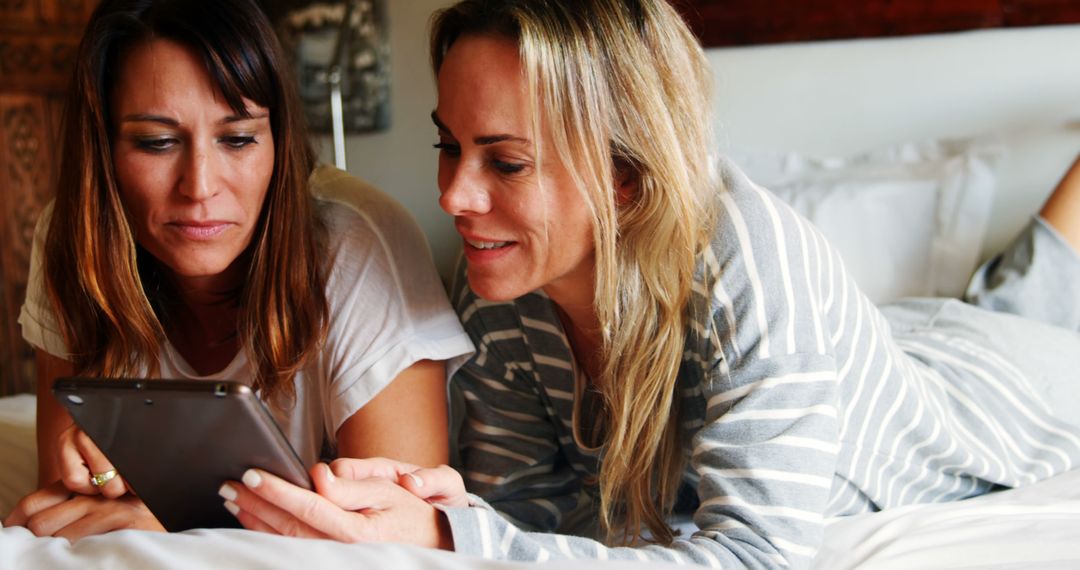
(238, 141)
(448, 148)
(156, 145)
(507, 167)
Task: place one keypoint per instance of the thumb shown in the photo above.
(378, 467)
(442, 485)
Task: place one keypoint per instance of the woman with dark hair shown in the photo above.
(189, 238)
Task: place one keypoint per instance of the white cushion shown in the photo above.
(909, 221)
(18, 450)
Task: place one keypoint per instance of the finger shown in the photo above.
(381, 467)
(90, 524)
(105, 515)
(442, 485)
(287, 509)
(373, 493)
(115, 488)
(54, 519)
(256, 513)
(92, 521)
(73, 469)
(98, 463)
(250, 521)
(36, 502)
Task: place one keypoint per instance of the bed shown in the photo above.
(909, 219)
(935, 195)
(915, 170)
(1029, 528)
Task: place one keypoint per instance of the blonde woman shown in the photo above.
(190, 239)
(658, 337)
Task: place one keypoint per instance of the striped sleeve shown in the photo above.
(481, 531)
(509, 450)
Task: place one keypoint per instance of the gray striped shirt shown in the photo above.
(799, 401)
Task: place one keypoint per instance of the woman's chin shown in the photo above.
(496, 289)
(195, 268)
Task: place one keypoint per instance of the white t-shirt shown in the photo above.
(387, 310)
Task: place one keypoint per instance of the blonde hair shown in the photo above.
(624, 88)
(107, 293)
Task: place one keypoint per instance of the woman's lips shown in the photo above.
(200, 230)
(478, 250)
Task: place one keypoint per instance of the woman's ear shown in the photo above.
(626, 183)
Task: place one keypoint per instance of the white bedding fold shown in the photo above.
(235, 549)
(1036, 527)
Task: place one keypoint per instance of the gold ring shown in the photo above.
(99, 479)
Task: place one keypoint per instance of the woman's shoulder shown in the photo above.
(363, 220)
(745, 206)
(751, 223)
(344, 198)
(370, 236)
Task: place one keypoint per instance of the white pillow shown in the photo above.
(909, 221)
(18, 450)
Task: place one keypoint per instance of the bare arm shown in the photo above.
(52, 418)
(1062, 208)
(406, 421)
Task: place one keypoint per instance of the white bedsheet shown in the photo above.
(1036, 527)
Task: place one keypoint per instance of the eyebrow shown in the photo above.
(148, 118)
(481, 140)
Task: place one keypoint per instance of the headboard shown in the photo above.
(748, 22)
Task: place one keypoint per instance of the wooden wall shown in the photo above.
(38, 39)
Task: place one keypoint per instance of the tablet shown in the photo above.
(176, 441)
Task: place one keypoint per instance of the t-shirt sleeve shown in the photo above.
(37, 319)
(388, 308)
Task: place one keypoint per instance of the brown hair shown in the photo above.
(101, 284)
(624, 88)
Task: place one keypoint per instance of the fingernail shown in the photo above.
(417, 481)
(227, 492)
(232, 508)
(251, 478)
(329, 472)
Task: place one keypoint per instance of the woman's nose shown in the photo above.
(462, 192)
(197, 182)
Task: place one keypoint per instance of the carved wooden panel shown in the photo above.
(36, 61)
(26, 180)
(38, 40)
(16, 13)
(72, 14)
